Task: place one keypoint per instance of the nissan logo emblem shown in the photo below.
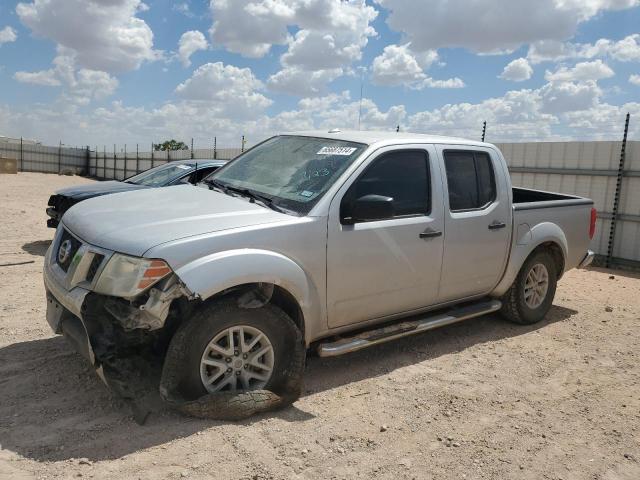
(64, 251)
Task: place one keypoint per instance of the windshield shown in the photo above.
(160, 176)
(293, 172)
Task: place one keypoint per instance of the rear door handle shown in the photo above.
(430, 234)
(497, 225)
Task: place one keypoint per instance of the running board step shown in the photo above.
(406, 328)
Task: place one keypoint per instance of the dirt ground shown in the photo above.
(481, 399)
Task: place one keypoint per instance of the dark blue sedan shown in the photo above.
(172, 173)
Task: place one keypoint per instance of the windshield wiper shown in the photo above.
(216, 184)
(253, 196)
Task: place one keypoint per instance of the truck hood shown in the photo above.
(98, 188)
(134, 222)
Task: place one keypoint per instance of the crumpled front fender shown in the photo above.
(207, 276)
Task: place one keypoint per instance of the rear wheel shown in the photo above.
(531, 295)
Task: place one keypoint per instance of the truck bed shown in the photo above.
(538, 214)
(529, 199)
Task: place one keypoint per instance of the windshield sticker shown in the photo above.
(306, 193)
(345, 151)
(184, 167)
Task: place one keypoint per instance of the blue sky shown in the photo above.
(123, 71)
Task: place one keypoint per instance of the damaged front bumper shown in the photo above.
(124, 340)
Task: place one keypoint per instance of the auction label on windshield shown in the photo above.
(346, 151)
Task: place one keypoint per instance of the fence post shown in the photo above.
(242, 149)
(114, 161)
(104, 161)
(96, 161)
(124, 172)
(192, 148)
(616, 198)
(60, 157)
(88, 161)
(152, 157)
(215, 152)
(168, 155)
(137, 159)
(21, 156)
(484, 129)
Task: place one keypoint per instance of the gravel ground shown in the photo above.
(481, 399)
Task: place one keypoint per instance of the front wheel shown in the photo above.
(227, 349)
(530, 297)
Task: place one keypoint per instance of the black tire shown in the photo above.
(188, 345)
(514, 306)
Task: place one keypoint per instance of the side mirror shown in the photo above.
(370, 208)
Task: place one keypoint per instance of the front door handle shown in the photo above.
(497, 225)
(429, 233)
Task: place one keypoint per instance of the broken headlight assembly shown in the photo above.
(127, 277)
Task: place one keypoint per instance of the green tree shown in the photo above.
(170, 145)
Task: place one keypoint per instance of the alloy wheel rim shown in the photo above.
(238, 358)
(536, 286)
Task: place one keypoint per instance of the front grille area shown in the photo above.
(93, 268)
(62, 259)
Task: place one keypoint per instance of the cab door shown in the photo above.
(477, 220)
(388, 266)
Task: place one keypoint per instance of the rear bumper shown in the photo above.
(587, 260)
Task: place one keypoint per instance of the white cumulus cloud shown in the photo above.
(8, 35)
(518, 70)
(398, 65)
(190, 42)
(297, 81)
(491, 26)
(585, 71)
(104, 35)
(625, 50)
(634, 79)
(329, 36)
(81, 85)
(228, 90)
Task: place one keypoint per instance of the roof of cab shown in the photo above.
(386, 138)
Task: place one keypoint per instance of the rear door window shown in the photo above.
(470, 179)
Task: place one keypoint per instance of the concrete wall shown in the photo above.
(587, 169)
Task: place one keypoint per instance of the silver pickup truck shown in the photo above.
(334, 241)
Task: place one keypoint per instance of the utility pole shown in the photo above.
(484, 129)
(616, 198)
(361, 90)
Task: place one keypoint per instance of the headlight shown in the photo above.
(125, 276)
